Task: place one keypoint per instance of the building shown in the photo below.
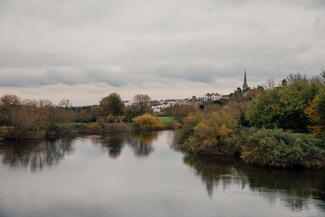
(245, 85)
(211, 97)
(127, 103)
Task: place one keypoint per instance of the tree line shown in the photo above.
(26, 117)
(281, 126)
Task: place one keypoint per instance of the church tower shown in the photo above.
(245, 86)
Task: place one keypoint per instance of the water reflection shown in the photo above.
(35, 154)
(91, 182)
(112, 143)
(293, 187)
(141, 143)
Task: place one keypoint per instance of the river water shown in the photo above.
(141, 175)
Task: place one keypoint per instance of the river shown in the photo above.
(142, 175)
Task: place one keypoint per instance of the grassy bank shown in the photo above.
(76, 128)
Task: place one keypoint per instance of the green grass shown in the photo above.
(166, 120)
(73, 124)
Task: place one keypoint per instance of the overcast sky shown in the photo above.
(85, 49)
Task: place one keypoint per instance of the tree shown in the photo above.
(112, 104)
(284, 107)
(180, 111)
(316, 112)
(9, 110)
(140, 106)
(50, 115)
(65, 103)
(142, 103)
(147, 121)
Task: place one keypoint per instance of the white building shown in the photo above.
(127, 102)
(211, 97)
(159, 107)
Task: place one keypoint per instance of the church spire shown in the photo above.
(245, 86)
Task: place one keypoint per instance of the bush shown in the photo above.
(92, 128)
(316, 113)
(180, 111)
(117, 127)
(210, 133)
(284, 107)
(147, 121)
(5, 131)
(277, 148)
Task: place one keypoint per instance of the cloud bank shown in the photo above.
(62, 48)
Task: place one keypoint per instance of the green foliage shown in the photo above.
(167, 121)
(316, 113)
(320, 108)
(277, 148)
(111, 118)
(284, 107)
(147, 121)
(210, 132)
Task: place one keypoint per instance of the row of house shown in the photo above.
(158, 106)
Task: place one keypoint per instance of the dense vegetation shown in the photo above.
(281, 126)
(278, 148)
(21, 118)
(284, 107)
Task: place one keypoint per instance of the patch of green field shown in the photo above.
(67, 125)
(167, 120)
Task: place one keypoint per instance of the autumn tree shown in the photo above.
(316, 112)
(141, 105)
(9, 109)
(50, 115)
(180, 111)
(112, 105)
(147, 121)
(65, 103)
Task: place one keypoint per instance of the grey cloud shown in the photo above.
(124, 43)
(67, 76)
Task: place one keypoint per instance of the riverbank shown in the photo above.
(262, 147)
(77, 128)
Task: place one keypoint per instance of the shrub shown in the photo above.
(5, 131)
(316, 113)
(209, 133)
(284, 107)
(147, 121)
(117, 127)
(212, 134)
(277, 148)
(180, 111)
(92, 128)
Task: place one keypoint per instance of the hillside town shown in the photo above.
(199, 101)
